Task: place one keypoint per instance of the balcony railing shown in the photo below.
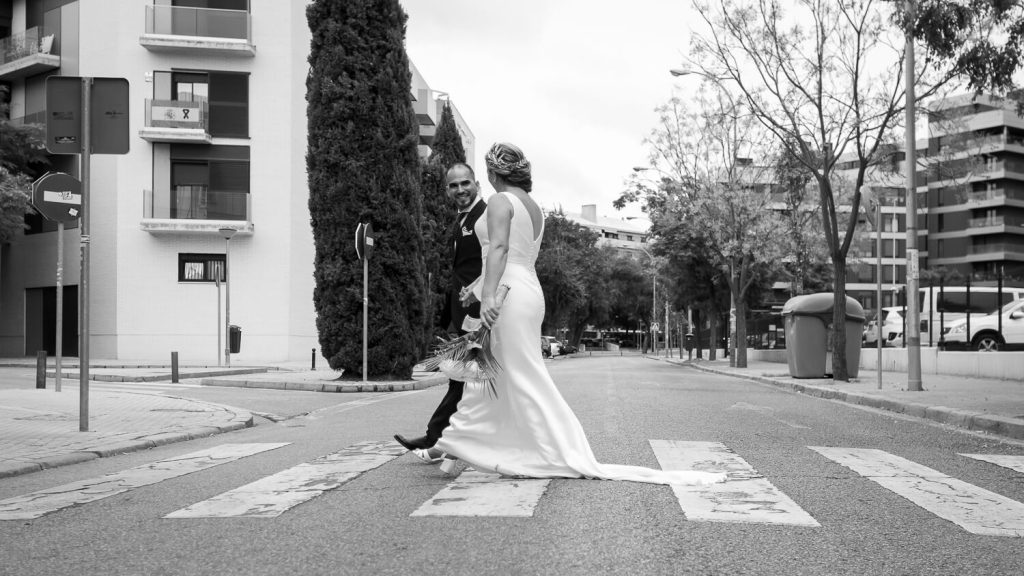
(209, 30)
(176, 121)
(196, 202)
(27, 53)
(1001, 247)
(986, 195)
(985, 222)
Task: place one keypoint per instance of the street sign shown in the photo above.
(64, 115)
(108, 115)
(58, 196)
(364, 240)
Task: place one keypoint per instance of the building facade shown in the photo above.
(217, 141)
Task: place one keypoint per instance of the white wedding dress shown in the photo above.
(527, 429)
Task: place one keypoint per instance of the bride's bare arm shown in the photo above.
(499, 219)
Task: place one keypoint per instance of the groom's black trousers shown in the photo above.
(449, 404)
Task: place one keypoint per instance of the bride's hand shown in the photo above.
(490, 309)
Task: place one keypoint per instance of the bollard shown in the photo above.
(174, 367)
(41, 369)
(312, 359)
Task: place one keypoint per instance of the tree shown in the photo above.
(713, 187)
(805, 242)
(446, 150)
(14, 204)
(806, 77)
(565, 268)
(363, 167)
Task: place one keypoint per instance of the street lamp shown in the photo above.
(654, 302)
(227, 233)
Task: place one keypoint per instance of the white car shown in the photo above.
(892, 329)
(985, 334)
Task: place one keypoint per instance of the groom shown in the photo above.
(464, 191)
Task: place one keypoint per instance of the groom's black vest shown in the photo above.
(466, 267)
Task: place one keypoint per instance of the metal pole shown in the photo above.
(912, 335)
(216, 280)
(878, 287)
(366, 310)
(227, 302)
(654, 309)
(60, 301)
(83, 292)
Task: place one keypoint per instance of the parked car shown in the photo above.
(892, 329)
(985, 335)
(549, 346)
(950, 304)
(566, 348)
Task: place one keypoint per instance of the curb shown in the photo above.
(322, 386)
(182, 375)
(968, 420)
(121, 447)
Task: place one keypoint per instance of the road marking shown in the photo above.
(974, 509)
(1005, 460)
(353, 404)
(476, 493)
(43, 502)
(271, 496)
(766, 411)
(746, 496)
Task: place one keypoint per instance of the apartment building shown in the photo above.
(625, 235)
(217, 141)
(970, 202)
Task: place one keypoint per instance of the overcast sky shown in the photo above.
(574, 83)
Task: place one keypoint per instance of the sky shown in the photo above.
(574, 83)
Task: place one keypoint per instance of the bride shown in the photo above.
(526, 429)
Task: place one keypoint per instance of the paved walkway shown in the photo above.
(39, 428)
(987, 405)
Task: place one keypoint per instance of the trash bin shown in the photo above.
(688, 342)
(235, 339)
(808, 346)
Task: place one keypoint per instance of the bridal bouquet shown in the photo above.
(468, 357)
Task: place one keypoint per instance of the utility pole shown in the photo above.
(912, 335)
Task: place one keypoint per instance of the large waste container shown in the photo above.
(235, 339)
(808, 345)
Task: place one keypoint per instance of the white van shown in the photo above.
(951, 306)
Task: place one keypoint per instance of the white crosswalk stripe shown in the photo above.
(745, 497)
(476, 493)
(974, 509)
(273, 495)
(1005, 460)
(43, 502)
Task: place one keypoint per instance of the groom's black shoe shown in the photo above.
(421, 443)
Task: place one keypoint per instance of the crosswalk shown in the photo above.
(747, 496)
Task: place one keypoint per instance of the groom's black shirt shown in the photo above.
(466, 267)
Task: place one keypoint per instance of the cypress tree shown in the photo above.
(363, 167)
(438, 215)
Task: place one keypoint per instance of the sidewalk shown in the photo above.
(985, 405)
(39, 428)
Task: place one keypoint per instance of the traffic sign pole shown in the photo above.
(83, 284)
(60, 300)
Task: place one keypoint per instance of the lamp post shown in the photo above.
(654, 301)
(227, 233)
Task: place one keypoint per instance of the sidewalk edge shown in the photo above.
(968, 420)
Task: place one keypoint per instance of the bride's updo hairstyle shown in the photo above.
(510, 164)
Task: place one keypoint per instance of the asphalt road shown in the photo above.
(577, 527)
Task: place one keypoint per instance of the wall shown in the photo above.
(1000, 365)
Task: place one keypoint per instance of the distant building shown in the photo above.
(428, 104)
(627, 235)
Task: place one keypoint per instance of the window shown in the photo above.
(209, 182)
(227, 94)
(201, 267)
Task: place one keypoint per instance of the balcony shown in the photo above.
(195, 210)
(1001, 251)
(982, 196)
(177, 121)
(198, 31)
(28, 53)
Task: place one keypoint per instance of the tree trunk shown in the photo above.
(839, 371)
(740, 346)
(713, 336)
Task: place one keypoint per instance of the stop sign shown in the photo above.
(58, 196)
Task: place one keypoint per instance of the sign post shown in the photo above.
(82, 121)
(364, 245)
(58, 196)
